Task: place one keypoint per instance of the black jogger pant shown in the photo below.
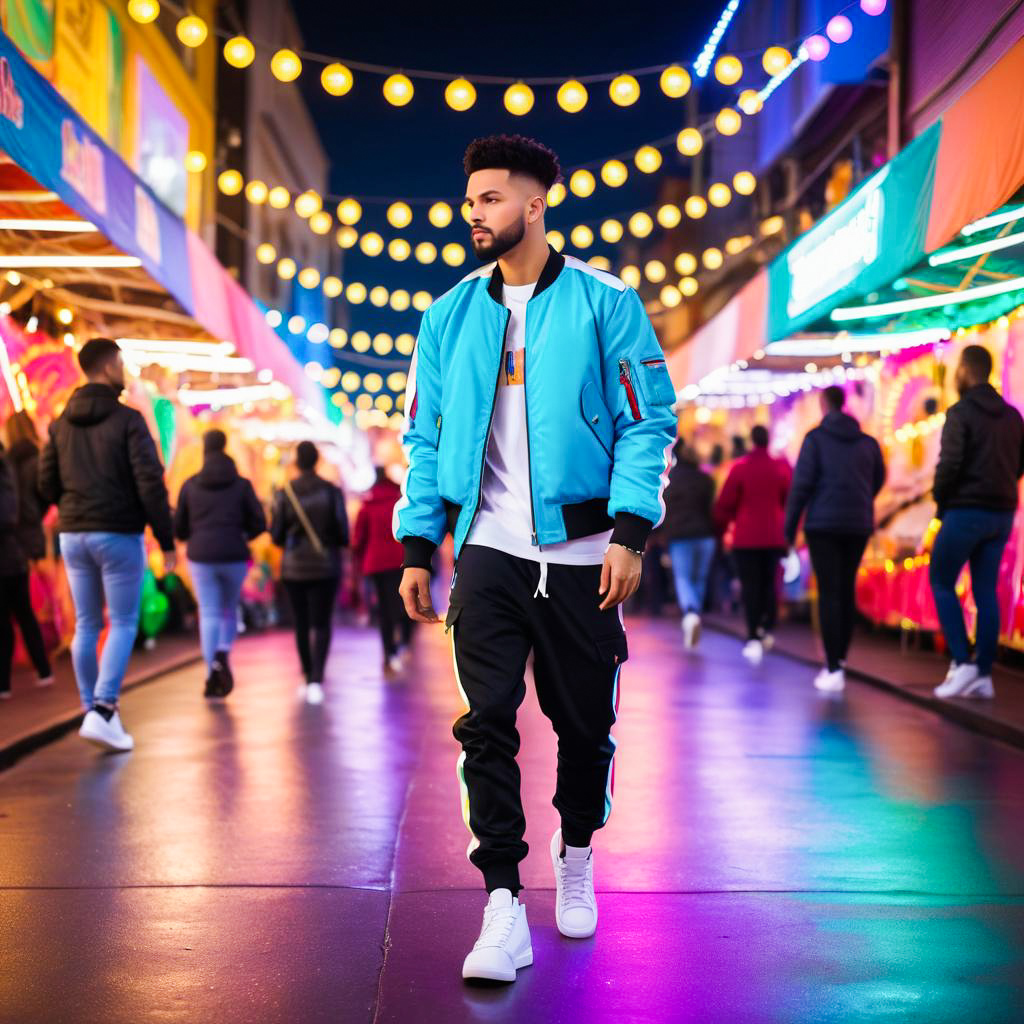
(836, 558)
(758, 570)
(390, 611)
(312, 604)
(495, 621)
(16, 603)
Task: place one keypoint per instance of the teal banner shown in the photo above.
(866, 242)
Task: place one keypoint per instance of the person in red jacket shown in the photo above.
(379, 557)
(754, 501)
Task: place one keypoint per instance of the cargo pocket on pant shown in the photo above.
(613, 650)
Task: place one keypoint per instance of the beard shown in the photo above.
(494, 247)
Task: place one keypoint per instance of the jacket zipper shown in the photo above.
(529, 457)
(490, 420)
(626, 380)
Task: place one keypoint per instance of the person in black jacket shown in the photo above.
(310, 523)
(23, 454)
(839, 472)
(101, 468)
(689, 529)
(218, 514)
(981, 459)
(15, 600)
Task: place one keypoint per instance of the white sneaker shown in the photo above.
(691, 629)
(314, 693)
(575, 903)
(964, 681)
(753, 651)
(830, 682)
(44, 681)
(396, 663)
(504, 944)
(108, 735)
(767, 641)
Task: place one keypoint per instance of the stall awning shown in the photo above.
(61, 169)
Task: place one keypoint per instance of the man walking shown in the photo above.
(838, 473)
(101, 468)
(981, 458)
(539, 424)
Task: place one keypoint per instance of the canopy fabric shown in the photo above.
(53, 148)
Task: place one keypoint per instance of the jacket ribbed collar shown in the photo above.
(548, 276)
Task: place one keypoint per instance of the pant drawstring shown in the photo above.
(542, 583)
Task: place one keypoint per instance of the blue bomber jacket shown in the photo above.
(599, 410)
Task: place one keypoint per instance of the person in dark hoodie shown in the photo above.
(218, 513)
(15, 596)
(981, 460)
(838, 473)
(101, 469)
(379, 557)
(310, 523)
(689, 530)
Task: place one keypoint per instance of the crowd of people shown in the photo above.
(100, 468)
(830, 495)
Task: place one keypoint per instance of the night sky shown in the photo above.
(416, 151)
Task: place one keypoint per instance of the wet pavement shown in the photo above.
(772, 855)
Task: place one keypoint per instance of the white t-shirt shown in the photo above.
(504, 520)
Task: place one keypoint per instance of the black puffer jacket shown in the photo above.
(12, 558)
(218, 512)
(24, 460)
(982, 453)
(688, 500)
(101, 469)
(838, 474)
(324, 505)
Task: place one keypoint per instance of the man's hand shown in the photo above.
(170, 561)
(620, 575)
(415, 591)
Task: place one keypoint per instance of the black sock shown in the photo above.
(104, 709)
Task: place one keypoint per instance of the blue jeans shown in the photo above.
(218, 587)
(691, 563)
(103, 566)
(978, 536)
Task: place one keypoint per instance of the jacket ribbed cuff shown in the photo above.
(418, 552)
(631, 531)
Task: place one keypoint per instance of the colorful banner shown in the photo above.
(44, 135)
(876, 234)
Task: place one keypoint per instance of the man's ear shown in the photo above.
(535, 210)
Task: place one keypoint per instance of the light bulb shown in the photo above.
(675, 81)
(285, 65)
(647, 159)
(336, 79)
(460, 94)
(572, 96)
(398, 90)
(239, 52)
(519, 99)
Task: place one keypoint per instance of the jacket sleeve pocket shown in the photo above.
(612, 650)
(656, 382)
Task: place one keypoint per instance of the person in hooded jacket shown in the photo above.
(981, 460)
(15, 599)
(101, 468)
(689, 529)
(379, 557)
(218, 514)
(310, 523)
(838, 473)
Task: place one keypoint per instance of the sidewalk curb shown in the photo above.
(49, 732)
(964, 713)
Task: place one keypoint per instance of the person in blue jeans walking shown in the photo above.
(689, 531)
(101, 469)
(981, 460)
(218, 513)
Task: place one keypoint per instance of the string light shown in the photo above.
(641, 225)
(256, 192)
(685, 263)
(572, 96)
(346, 237)
(266, 253)
(728, 121)
(582, 184)
(712, 258)
(728, 70)
(426, 252)
(611, 231)
(460, 94)
(582, 237)
(776, 59)
(453, 254)
(749, 101)
(307, 203)
(401, 300)
(192, 31)
(631, 275)
(689, 142)
(817, 47)
(285, 65)
(519, 99)
(688, 286)
(647, 159)
(279, 197)
(839, 29)
(143, 11)
(399, 214)
(336, 79)
(614, 173)
(355, 293)
(371, 243)
(195, 161)
(229, 182)
(669, 215)
(321, 222)
(556, 194)
(695, 207)
(655, 271)
(624, 90)
(440, 215)
(719, 194)
(286, 268)
(702, 64)
(399, 250)
(670, 296)
(332, 286)
(239, 52)
(349, 211)
(398, 90)
(675, 82)
(744, 183)
(556, 240)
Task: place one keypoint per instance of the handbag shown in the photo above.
(314, 537)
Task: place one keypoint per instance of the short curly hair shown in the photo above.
(515, 153)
